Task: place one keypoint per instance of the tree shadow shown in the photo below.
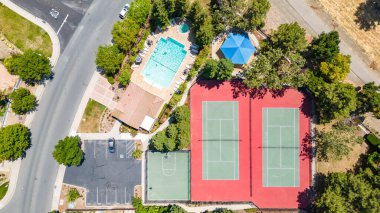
(305, 199)
(368, 14)
(210, 84)
(306, 150)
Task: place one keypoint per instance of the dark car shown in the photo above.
(111, 145)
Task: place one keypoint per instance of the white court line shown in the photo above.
(266, 143)
(63, 22)
(220, 119)
(220, 140)
(280, 147)
(206, 139)
(94, 150)
(281, 126)
(233, 136)
(216, 161)
(281, 168)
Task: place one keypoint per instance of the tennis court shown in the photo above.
(220, 140)
(168, 176)
(280, 147)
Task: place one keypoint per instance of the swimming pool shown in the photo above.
(164, 62)
(184, 28)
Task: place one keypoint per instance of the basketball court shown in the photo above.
(168, 176)
(220, 140)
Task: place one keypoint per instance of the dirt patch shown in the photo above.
(344, 164)
(7, 48)
(7, 81)
(78, 204)
(351, 16)
(106, 121)
(138, 191)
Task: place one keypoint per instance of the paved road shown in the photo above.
(300, 11)
(73, 9)
(58, 106)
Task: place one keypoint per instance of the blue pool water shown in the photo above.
(184, 28)
(164, 62)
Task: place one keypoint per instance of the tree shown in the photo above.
(201, 24)
(170, 7)
(2, 98)
(124, 33)
(256, 14)
(289, 38)
(195, 10)
(325, 47)
(349, 192)
(337, 68)
(125, 76)
(181, 113)
(369, 99)
(180, 8)
(336, 143)
(225, 69)
(73, 195)
(210, 69)
(22, 101)
(171, 131)
(220, 70)
(334, 101)
(109, 59)
(158, 141)
(139, 11)
(273, 70)
(160, 16)
(14, 141)
(32, 67)
(68, 151)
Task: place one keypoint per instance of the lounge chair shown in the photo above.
(152, 33)
(194, 51)
(183, 77)
(135, 66)
(191, 55)
(141, 55)
(188, 66)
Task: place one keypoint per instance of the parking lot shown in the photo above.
(109, 178)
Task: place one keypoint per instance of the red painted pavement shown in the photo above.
(249, 186)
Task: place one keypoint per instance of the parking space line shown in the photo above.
(116, 195)
(106, 196)
(64, 21)
(94, 150)
(125, 194)
(97, 195)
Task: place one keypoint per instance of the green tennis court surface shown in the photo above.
(280, 147)
(168, 176)
(220, 145)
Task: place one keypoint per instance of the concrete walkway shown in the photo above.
(15, 168)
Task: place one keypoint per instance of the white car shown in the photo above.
(124, 11)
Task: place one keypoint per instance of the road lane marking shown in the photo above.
(64, 21)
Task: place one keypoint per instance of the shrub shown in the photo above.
(111, 80)
(22, 101)
(73, 195)
(14, 141)
(374, 160)
(125, 76)
(373, 140)
(137, 154)
(68, 151)
(3, 189)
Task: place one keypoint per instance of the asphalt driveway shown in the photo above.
(109, 178)
(62, 15)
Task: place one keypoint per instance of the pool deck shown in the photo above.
(164, 93)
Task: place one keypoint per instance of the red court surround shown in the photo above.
(249, 186)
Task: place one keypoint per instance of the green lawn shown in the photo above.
(3, 189)
(91, 118)
(23, 33)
